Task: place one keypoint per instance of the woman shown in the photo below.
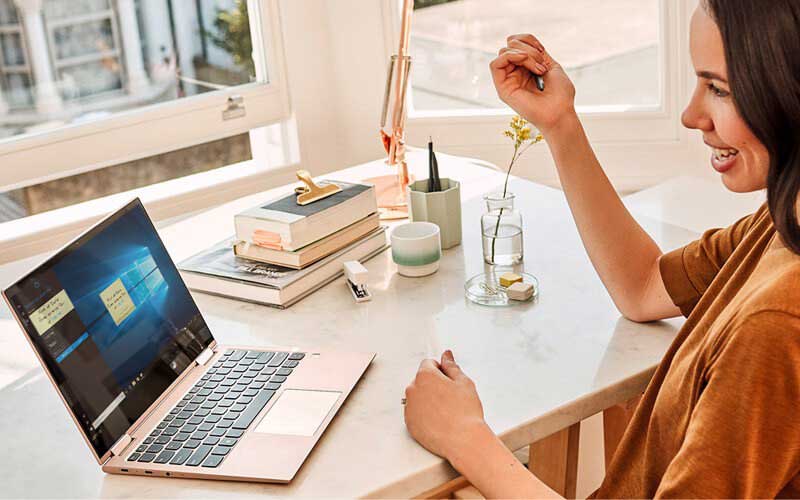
(721, 416)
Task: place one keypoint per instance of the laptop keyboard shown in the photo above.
(206, 424)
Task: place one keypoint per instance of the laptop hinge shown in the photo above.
(205, 356)
(120, 445)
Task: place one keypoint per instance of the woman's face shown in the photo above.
(736, 153)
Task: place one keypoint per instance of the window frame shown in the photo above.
(159, 128)
(604, 124)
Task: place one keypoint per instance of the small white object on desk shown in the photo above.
(520, 291)
(357, 275)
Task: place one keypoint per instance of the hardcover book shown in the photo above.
(285, 225)
(218, 271)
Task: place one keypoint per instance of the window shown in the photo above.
(610, 49)
(87, 84)
(184, 101)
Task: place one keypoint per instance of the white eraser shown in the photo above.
(520, 292)
(355, 272)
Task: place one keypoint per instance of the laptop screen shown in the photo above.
(113, 322)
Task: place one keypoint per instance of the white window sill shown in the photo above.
(47, 231)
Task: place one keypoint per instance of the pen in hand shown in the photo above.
(539, 82)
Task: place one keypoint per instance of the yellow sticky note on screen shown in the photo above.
(51, 312)
(117, 301)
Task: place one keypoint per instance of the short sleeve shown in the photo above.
(688, 272)
(743, 437)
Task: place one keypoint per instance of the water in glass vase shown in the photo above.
(505, 249)
(501, 227)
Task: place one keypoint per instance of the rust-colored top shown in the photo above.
(721, 416)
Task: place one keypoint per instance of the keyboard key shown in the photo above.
(291, 364)
(208, 405)
(202, 412)
(169, 431)
(246, 362)
(164, 457)
(228, 441)
(219, 410)
(250, 392)
(213, 461)
(224, 424)
(278, 379)
(268, 370)
(159, 427)
(134, 457)
(253, 409)
(278, 359)
(191, 407)
(297, 356)
(198, 456)
(147, 457)
(252, 354)
(162, 440)
(181, 436)
(284, 371)
(185, 414)
(199, 435)
(181, 456)
(195, 421)
(212, 419)
(217, 432)
(142, 448)
(206, 426)
(220, 450)
(214, 397)
(173, 445)
(272, 386)
(155, 448)
(211, 441)
(235, 433)
(245, 399)
(169, 418)
(148, 440)
(238, 407)
(238, 369)
(192, 443)
(225, 403)
(265, 357)
(236, 355)
(181, 403)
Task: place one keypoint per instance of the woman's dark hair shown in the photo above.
(762, 50)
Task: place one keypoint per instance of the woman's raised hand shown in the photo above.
(514, 73)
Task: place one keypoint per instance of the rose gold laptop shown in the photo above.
(120, 337)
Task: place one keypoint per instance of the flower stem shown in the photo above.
(517, 154)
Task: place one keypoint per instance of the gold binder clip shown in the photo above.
(311, 192)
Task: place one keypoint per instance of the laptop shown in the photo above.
(146, 383)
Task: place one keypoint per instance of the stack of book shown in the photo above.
(283, 251)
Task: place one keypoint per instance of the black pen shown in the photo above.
(539, 82)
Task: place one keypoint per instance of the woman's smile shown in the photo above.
(723, 158)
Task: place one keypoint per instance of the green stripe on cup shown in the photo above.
(415, 260)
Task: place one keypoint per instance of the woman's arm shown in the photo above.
(624, 255)
(444, 414)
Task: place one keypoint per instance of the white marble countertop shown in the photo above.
(538, 367)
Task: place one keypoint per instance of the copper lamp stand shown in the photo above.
(391, 189)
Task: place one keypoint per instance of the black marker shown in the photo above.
(539, 82)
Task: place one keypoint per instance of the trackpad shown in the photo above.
(298, 413)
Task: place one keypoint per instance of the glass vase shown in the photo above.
(502, 229)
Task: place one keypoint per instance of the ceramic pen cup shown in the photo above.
(416, 249)
(442, 208)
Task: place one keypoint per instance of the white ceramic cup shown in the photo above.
(417, 249)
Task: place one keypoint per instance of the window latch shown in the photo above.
(235, 108)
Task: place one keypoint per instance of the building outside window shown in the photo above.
(71, 62)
